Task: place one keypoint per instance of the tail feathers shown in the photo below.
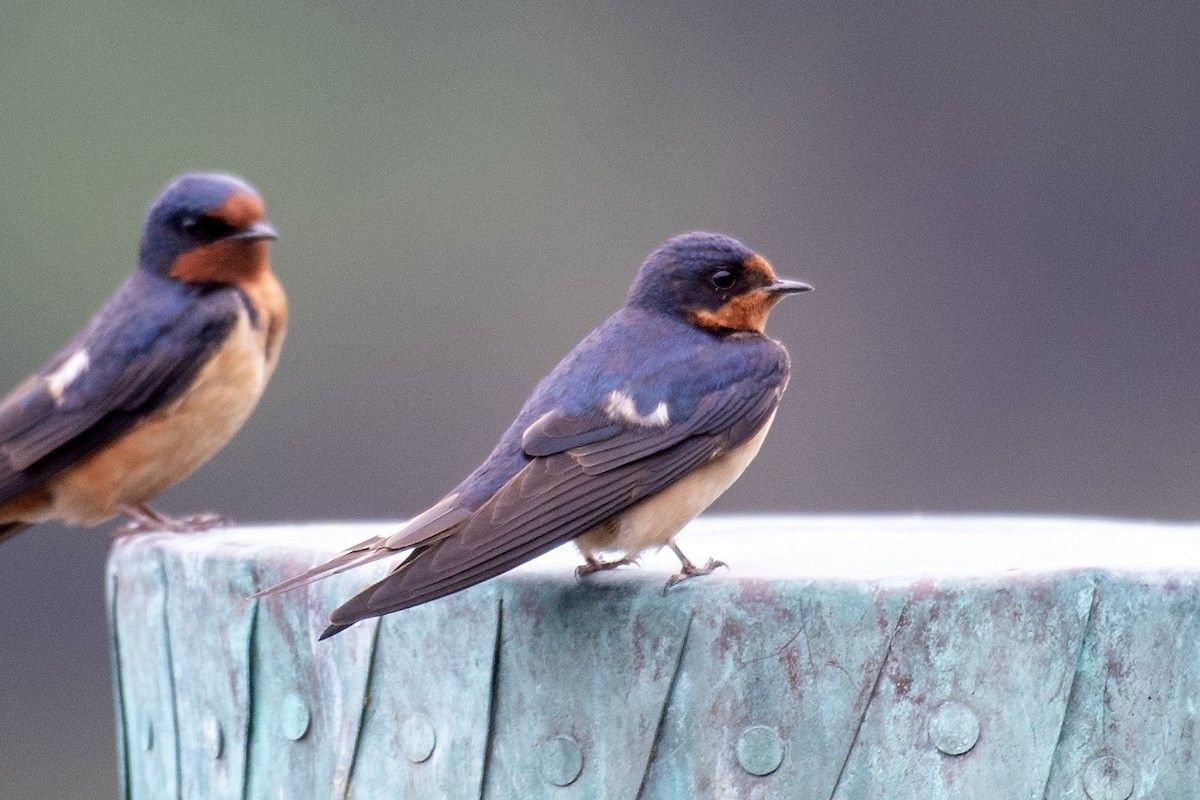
(332, 630)
(365, 553)
(10, 529)
(435, 523)
(358, 608)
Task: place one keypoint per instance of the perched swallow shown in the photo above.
(161, 379)
(642, 426)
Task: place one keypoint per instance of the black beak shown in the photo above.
(259, 230)
(783, 286)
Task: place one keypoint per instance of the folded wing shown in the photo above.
(124, 370)
(586, 470)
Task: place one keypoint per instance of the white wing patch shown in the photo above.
(58, 381)
(620, 406)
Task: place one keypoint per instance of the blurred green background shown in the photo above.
(997, 204)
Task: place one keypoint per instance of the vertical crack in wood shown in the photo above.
(901, 619)
(123, 747)
(666, 705)
(169, 663)
(348, 778)
(493, 698)
(1072, 689)
(251, 670)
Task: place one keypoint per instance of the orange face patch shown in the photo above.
(757, 263)
(746, 312)
(241, 211)
(233, 261)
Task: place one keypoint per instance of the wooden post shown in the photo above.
(838, 657)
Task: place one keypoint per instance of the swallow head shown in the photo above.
(712, 281)
(207, 227)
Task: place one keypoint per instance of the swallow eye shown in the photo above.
(204, 227)
(723, 279)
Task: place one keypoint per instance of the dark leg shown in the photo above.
(689, 569)
(596, 565)
(143, 518)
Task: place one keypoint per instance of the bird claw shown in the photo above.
(197, 523)
(596, 565)
(690, 570)
(145, 520)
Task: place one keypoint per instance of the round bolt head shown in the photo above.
(294, 717)
(760, 750)
(954, 728)
(214, 737)
(1108, 778)
(562, 760)
(417, 738)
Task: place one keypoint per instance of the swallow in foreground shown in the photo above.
(161, 379)
(642, 426)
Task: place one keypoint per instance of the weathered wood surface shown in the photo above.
(839, 657)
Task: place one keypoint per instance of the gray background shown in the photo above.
(996, 202)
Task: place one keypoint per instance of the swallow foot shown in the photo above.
(196, 523)
(688, 569)
(144, 519)
(596, 565)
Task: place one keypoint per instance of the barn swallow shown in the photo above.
(162, 377)
(642, 426)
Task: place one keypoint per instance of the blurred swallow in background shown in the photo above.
(161, 379)
(643, 425)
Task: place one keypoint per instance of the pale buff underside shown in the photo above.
(653, 522)
(168, 446)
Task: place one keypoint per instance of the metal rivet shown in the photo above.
(954, 728)
(562, 760)
(294, 718)
(760, 750)
(417, 738)
(148, 736)
(214, 737)
(1108, 778)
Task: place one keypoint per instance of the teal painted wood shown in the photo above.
(583, 679)
(212, 716)
(425, 729)
(796, 658)
(973, 693)
(145, 686)
(842, 658)
(1133, 711)
(308, 699)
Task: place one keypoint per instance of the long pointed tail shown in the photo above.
(354, 557)
(434, 523)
